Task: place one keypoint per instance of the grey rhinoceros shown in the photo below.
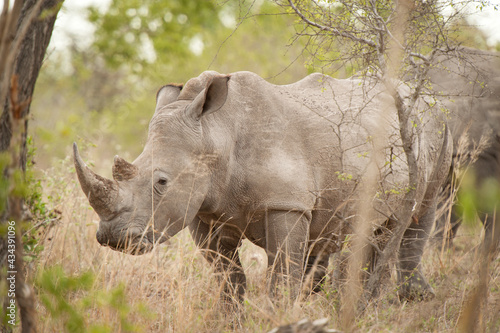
(469, 85)
(235, 157)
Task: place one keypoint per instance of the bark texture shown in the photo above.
(25, 31)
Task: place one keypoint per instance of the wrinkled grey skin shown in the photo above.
(234, 157)
(470, 86)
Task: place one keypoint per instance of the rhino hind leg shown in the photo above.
(446, 231)
(222, 252)
(413, 285)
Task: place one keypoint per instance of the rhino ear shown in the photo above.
(210, 99)
(167, 94)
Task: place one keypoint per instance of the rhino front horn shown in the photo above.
(123, 170)
(101, 192)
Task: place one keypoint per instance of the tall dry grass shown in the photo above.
(173, 289)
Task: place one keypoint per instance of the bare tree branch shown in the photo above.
(334, 31)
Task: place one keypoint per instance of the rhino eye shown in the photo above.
(160, 186)
(160, 182)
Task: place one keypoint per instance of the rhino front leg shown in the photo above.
(287, 235)
(412, 283)
(221, 250)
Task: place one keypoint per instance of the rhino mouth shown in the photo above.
(131, 244)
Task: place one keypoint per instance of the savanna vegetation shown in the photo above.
(102, 96)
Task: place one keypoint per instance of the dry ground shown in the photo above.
(173, 289)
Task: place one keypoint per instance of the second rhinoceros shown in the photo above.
(469, 86)
(235, 157)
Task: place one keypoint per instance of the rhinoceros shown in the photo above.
(470, 89)
(234, 157)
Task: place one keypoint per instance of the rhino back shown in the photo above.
(305, 146)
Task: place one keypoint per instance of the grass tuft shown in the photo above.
(83, 287)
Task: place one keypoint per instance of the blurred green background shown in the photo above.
(101, 93)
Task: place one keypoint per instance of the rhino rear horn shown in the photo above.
(101, 192)
(123, 170)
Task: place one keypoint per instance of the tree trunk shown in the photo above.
(33, 31)
(25, 32)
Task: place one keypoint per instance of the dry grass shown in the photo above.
(179, 291)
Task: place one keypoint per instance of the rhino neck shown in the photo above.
(217, 157)
(220, 132)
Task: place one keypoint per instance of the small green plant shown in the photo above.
(69, 301)
(343, 176)
(42, 216)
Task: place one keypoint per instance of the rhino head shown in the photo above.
(161, 192)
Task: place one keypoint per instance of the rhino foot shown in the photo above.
(414, 287)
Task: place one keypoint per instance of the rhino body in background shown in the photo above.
(234, 157)
(470, 85)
